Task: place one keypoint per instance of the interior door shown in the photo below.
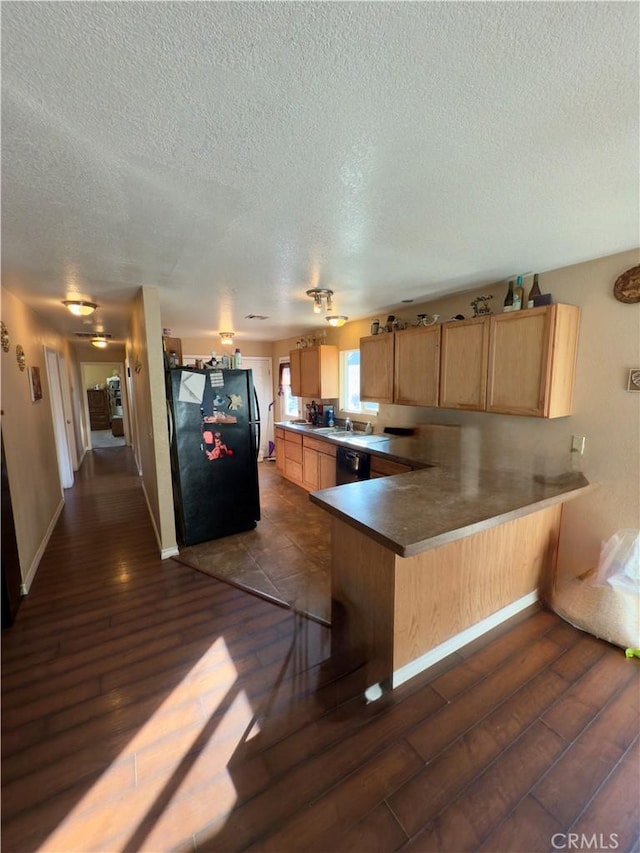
(59, 426)
(263, 383)
(68, 413)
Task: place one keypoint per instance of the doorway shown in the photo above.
(104, 402)
(263, 384)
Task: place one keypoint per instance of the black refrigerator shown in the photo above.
(214, 429)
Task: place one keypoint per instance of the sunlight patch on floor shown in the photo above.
(173, 767)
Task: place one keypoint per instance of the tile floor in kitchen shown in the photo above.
(286, 558)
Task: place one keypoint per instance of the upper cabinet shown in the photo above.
(376, 368)
(402, 367)
(173, 351)
(417, 366)
(532, 357)
(463, 364)
(314, 372)
(518, 363)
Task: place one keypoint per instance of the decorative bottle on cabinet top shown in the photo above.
(535, 291)
(508, 300)
(518, 294)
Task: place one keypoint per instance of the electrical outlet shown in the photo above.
(578, 443)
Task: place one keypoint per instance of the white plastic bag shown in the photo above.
(619, 564)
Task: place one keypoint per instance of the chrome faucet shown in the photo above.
(347, 424)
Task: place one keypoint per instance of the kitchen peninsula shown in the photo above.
(425, 561)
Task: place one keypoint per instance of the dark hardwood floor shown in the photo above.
(146, 706)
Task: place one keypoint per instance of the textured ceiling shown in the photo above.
(236, 154)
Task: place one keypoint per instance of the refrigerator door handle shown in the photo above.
(257, 422)
(170, 420)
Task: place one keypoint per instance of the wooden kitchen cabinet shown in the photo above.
(532, 356)
(327, 470)
(280, 449)
(293, 456)
(294, 368)
(314, 372)
(386, 467)
(318, 464)
(403, 367)
(376, 368)
(310, 476)
(173, 350)
(416, 377)
(464, 357)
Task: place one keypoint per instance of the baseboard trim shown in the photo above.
(454, 643)
(33, 568)
(165, 553)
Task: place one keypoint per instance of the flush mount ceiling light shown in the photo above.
(80, 307)
(336, 319)
(318, 294)
(99, 341)
(226, 338)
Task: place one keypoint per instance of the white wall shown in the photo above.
(27, 428)
(146, 360)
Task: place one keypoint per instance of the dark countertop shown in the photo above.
(462, 495)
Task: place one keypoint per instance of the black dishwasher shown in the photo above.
(351, 466)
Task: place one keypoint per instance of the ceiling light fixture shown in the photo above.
(80, 307)
(318, 294)
(226, 338)
(336, 319)
(99, 341)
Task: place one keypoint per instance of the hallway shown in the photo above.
(147, 706)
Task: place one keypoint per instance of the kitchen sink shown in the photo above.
(330, 430)
(360, 438)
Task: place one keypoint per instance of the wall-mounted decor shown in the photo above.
(20, 357)
(4, 337)
(35, 385)
(481, 307)
(633, 382)
(627, 286)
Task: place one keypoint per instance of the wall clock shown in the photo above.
(627, 286)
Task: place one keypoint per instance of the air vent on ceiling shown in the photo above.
(255, 317)
(91, 335)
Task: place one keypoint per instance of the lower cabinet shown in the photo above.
(311, 462)
(280, 433)
(306, 461)
(318, 464)
(289, 455)
(293, 458)
(386, 467)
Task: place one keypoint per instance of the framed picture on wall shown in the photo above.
(35, 384)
